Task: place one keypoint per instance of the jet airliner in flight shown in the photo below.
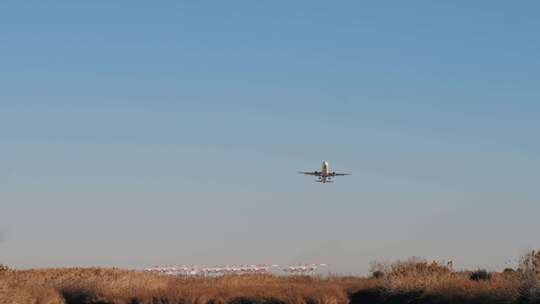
(325, 175)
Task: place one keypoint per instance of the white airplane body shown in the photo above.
(325, 175)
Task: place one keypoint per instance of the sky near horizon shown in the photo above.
(136, 133)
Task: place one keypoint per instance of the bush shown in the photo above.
(377, 274)
(480, 275)
(416, 266)
(509, 270)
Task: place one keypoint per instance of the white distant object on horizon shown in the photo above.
(303, 268)
(325, 175)
(204, 271)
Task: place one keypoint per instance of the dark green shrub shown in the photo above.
(480, 275)
(509, 270)
(378, 274)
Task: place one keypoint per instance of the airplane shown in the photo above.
(325, 176)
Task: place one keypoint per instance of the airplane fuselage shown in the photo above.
(324, 170)
(325, 173)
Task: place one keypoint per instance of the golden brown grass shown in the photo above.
(121, 286)
(402, 282)
(13, 290)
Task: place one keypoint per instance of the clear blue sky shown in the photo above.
(135, 133)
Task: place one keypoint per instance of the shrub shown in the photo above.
(509, 270)
(416, 266)
(377, 274)
(480, 275)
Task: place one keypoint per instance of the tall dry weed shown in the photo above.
(530, 271)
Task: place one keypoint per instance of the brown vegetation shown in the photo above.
(401, 282)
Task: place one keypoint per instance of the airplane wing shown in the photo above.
(341, 174)
(315, 173)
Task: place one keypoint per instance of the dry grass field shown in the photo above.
(411, 281)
